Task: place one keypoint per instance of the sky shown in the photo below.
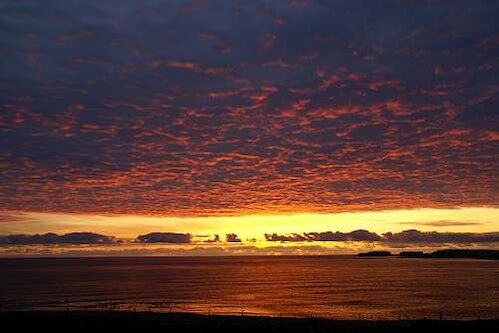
(247, 119)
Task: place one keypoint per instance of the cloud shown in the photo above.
(357, 235)
(52, 238)
(416, 236)
(232, 238)
(404, 237)
(154, 250)
(14, 217)
(165, 237)
(328, 236)
(285, 238)
(216, 239)
(444, 223)
(158, 108)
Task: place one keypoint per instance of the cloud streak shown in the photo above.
(445, 223)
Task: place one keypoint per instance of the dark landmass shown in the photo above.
(184, 322)
(470, 254)
(411, 254)
(375, 254)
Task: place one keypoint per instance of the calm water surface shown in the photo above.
(337, 287)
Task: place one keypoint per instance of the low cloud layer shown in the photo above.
(408, 236)
(357, 235)
(131, 250)
(165, 237)
(52, 238)
(232, 238)
(416, 236)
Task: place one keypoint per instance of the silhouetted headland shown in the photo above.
(375, 254)
(187, 322)
(412, 254)
(470, 254)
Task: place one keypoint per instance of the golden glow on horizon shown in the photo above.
(473, 219)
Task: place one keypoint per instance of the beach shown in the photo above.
(188, 322)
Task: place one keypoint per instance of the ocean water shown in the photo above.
(337, 286)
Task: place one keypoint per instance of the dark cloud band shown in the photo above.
(165, 237)
(52, 238)
(406, 237)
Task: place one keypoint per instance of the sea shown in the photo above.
(338, 287)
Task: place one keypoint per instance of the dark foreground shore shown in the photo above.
(184, 322)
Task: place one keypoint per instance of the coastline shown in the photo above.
(189, 322)
(487, 254)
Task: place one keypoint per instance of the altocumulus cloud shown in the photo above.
(307, 112)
